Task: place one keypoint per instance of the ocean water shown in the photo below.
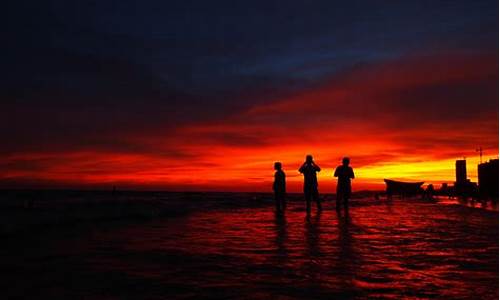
(387, 250)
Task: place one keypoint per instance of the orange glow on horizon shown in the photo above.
(388, 119)
(252, 173)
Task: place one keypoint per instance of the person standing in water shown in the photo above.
(309, 170)
(279, 188)
(344, 173)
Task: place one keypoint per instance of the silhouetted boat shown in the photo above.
(402, 188)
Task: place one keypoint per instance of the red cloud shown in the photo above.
(413, 110)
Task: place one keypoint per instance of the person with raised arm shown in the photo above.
(309, 170)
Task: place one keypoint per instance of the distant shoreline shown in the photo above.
(62, 190)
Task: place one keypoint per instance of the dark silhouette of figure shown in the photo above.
(344, 173)
(309, 170)
(279, 187)
(429, 192)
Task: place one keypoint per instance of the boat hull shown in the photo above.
(403, 189)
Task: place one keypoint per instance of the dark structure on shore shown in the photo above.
(463, 186)
(486, 188)
(461, 172)
(488, 179)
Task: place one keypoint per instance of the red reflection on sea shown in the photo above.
(390, 250)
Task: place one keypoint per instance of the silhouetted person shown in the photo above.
(309, 169)
(279, 187)
(429, 192)
(344, 173)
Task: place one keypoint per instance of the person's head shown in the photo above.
(345, 161)
(277, 166)
(309, 158)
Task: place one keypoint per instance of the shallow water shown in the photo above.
(386, 250)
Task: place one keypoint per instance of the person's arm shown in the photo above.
(281, 178)
(351, 173)
(316, 168)
(336, 173)
(301, 169)
(275, 181)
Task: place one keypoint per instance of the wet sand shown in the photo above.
(401, 249)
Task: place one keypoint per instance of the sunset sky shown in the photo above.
(207, 95)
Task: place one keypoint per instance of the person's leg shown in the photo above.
(345, 200)
(307, 194)
(338, 200)
(347, 196)
(316, 198)
(277, 200)
(283, 202)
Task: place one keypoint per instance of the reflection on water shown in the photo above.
(347, 258)
(389, 250)
(469, 202)
(281, 235)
